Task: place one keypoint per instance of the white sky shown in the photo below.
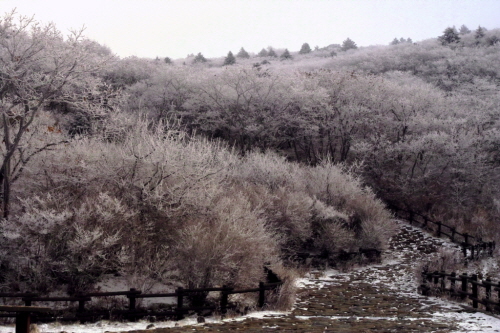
(175, 28)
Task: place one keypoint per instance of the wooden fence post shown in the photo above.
(498, 296)
(132, 304)
(475, 294)
(443, 281)
(453, 230)
(81, 305)
(23, 322)
(488, 293)
(452, 282)
(224, 298)
(466, 244)
(411, 217)
(262, 295)
(464, 278)
(131, 299)
(439, 229)
(180, 303)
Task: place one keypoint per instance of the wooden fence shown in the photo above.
(132, 312)
(473, 248)
(464, 287)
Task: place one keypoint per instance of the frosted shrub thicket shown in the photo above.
(423, 119)
(91, 189)
(160, 206)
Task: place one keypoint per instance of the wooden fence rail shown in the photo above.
(464, 286)
(473, 248)
(132, 312)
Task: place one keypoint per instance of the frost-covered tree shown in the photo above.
(450, 36)
(464, 30)
(305, 49)
(479, 32)
(199, 58)
(395, 41)
(230, 59)
(348, 44)
(286, 55)
(271, 53)
(493, 40)
(38, 66)
(263, 53)
(243, 54)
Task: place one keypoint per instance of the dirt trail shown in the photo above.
(377, 298)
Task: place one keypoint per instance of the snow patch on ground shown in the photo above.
(113, 326)
(472, 322)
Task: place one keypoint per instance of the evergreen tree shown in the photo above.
(395, 41)
(263, 53)
(199, 58)
(409, 40)
(168, 60)
(479, 33)
(271, 53)
(402, 40)
(286, 55)
(243, 54)
(450, 36)
(305, 49)
(464, 30)
(230, 59)
(348, 44)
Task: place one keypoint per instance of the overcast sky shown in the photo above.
(175, 28)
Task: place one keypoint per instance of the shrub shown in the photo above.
(339, 188)
(229, 246)
(158, 205)
(61, 245)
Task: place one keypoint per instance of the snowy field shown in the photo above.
(110, 326)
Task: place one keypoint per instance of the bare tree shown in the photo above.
(38, 66)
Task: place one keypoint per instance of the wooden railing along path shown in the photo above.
(132, 312)
(472, 247)
(464, 287)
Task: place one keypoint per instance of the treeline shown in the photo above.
(422, 119)
(111, 168)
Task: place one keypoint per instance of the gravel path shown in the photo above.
(377, 298)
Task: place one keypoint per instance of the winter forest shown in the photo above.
(199, 172)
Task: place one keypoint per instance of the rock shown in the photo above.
(201, 319)
(150, 326)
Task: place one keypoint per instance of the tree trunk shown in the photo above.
(5, 172)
